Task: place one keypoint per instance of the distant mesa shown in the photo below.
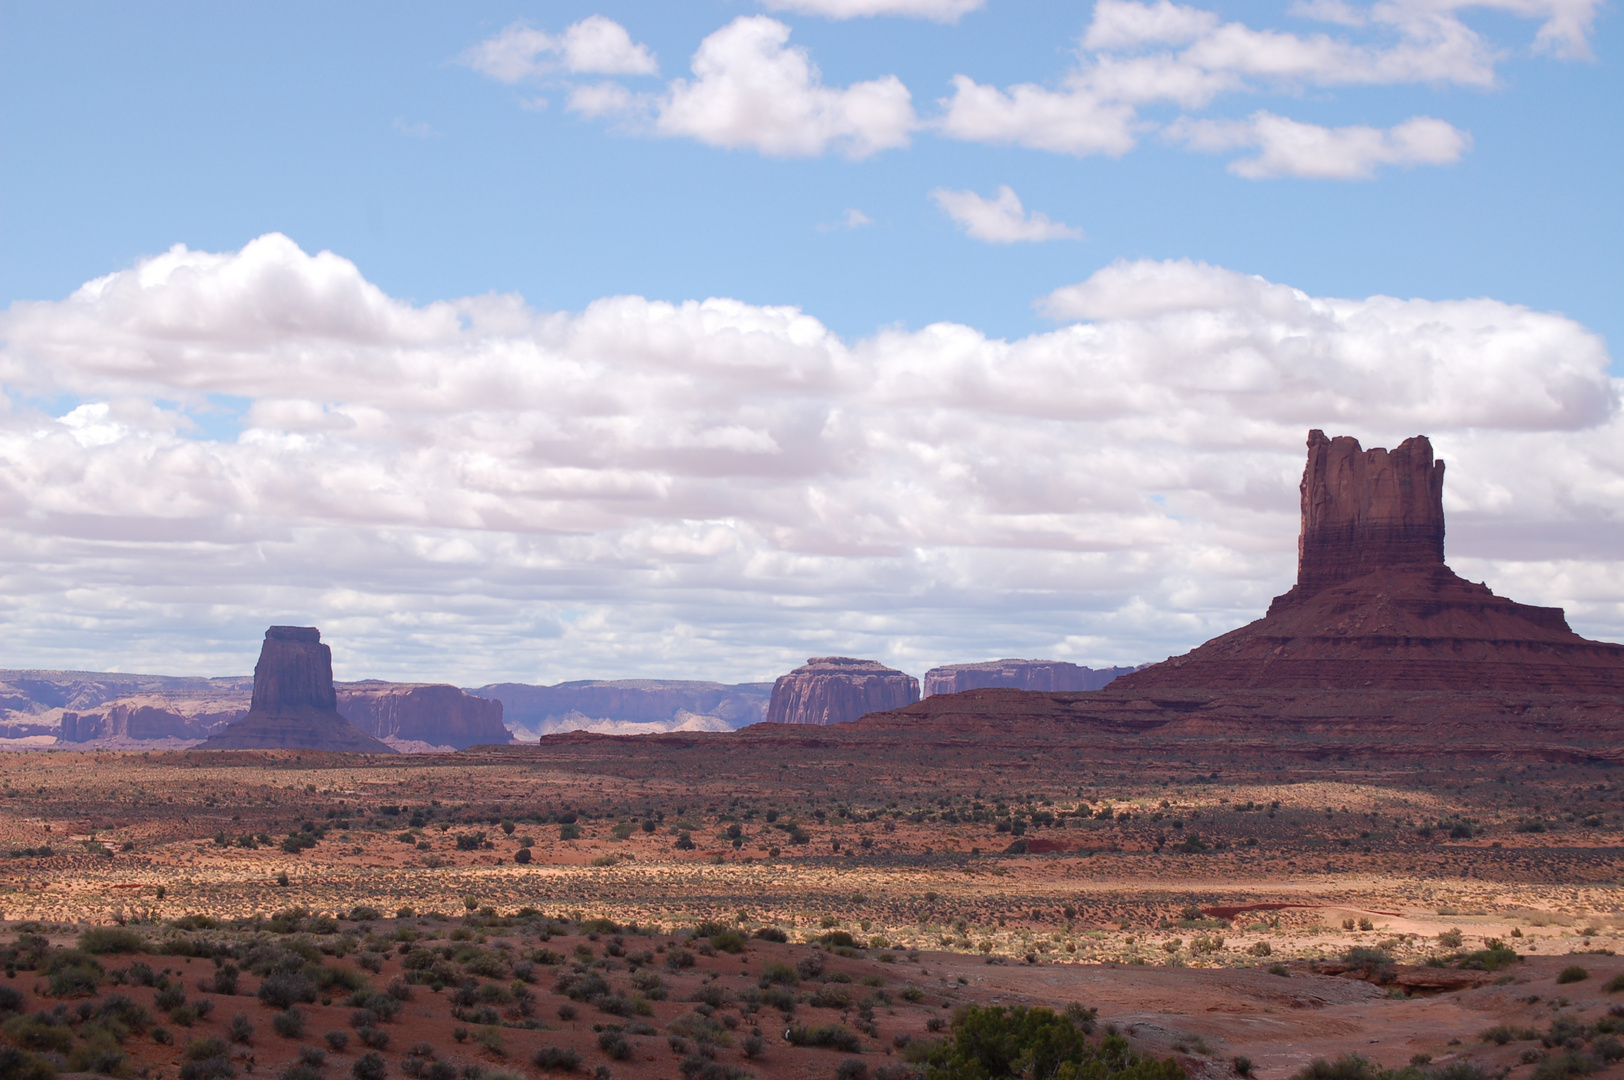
(838, 689)
(294, 706)
(422, 716)
(1375, 607)
(629, 706)
(1018, 675)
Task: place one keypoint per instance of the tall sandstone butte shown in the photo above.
(1378, 648)
(1375, 607)
(294, 706)
(838, 689)
(1018, 675)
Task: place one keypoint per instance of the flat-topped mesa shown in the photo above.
(1018, 675)
(838, 689)
(1367, 510)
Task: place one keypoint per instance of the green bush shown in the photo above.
(830, 1036)
(556, 1057)
(99, 940)
(1615, 984)
(997, 1042)
(20, 1065)
(1572, 974)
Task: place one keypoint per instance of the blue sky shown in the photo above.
(1428, 152)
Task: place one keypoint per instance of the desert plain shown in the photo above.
(1239, 912)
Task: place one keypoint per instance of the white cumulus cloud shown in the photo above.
(1290, 148)
(751, 88)
(593, 46)
(1137, 54)
(1001, 220)
(472, 490)
(939, 10)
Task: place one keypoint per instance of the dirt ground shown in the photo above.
(1160, 888)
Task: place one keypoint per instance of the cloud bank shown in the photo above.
(470, 489)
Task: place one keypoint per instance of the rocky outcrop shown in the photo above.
(1018, 675)
(434, 714)
(838, 689)
(294, 705)
(650, 704)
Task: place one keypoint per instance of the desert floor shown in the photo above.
(1160, 887)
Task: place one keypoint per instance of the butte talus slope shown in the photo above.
(295, 706)
(1379, 642)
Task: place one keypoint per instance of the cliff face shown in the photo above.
(149, 719)
(1367, 510)
(294, 706)
(1018, 675)
(652, 704)
(1375, 608)
(438, 714)
(838, 689)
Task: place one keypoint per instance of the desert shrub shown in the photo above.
(224, 980)
(313, 1056)
(1615, 984)
(369, 1066)
(99, 940)
(1608, 1049)
(38, 1033)
(337, 1040)
(699, 1067)
(728, 941)
(1572, 974)
(490, 1040)
(989, 1042)
(1561, 1066)
(775, 972)
(1349, 1067)
(1500, 1034)
(556, 1057)
(1368, 958)
(300, 1071)
(207, 1047)
(375, 1038)
(771, 933)
(830, 1036)
(71, 973)
(285, 988)
(20, 1065)
(677, 959)
(753, 1046)
(1451, 939)
(615, 1045)
(852, 1069)
(810, 966)
(215, 1068)
(240, 1029)
(289, 1023)
(700, 1029)
(1261, 948)
(11, 1000)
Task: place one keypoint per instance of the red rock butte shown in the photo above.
(295, 706)
(1376, 607)
(1378, 641)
